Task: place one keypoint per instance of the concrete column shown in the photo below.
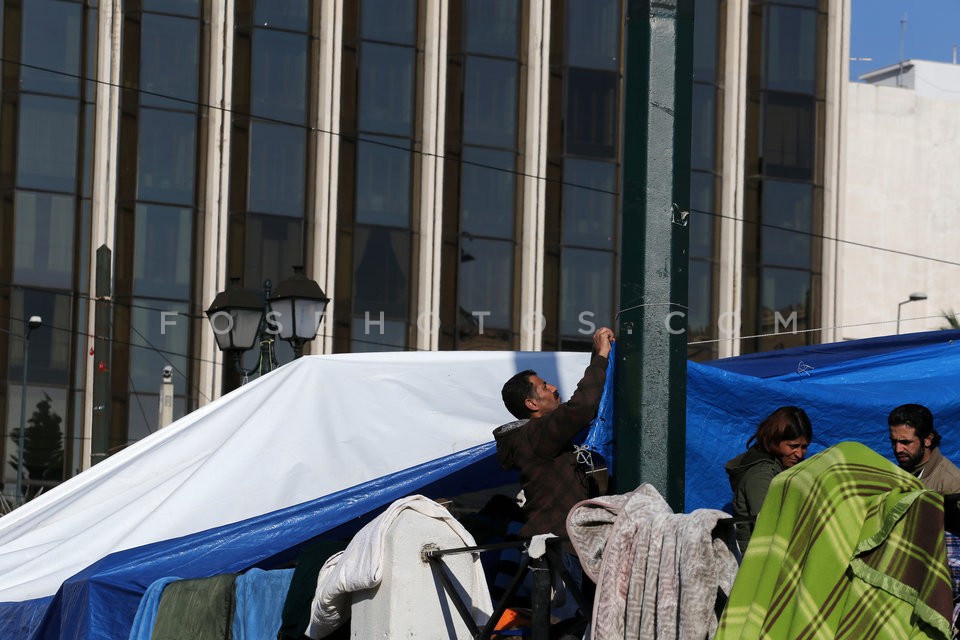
(324, 256)
(534, 172)
(430, 219)
(216, 190)
(732, 182)
(834, 169)
(103, 206)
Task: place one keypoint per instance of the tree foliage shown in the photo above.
(42, 447)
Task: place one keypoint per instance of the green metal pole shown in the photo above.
(650, 394)
(102, 349)
(21, 437)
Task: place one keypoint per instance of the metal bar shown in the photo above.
(540, 599)
(502, 605)
(440, 569)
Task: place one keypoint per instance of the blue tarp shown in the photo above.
(847, 396)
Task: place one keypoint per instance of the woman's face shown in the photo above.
(790, 452)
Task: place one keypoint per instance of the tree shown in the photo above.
(42, 446)
(951, 317)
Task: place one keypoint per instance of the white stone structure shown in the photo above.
(899, 229)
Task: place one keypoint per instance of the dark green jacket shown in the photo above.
(750, 475)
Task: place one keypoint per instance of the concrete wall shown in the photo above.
(900, 221)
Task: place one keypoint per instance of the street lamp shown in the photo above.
(914, 297)
(33, 323)
(242, 317)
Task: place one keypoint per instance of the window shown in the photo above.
(593, 34)
(589, 203)
(166, 155)
(168, 62)
(51, 41)
(383, 181)
(277, 170)
(487, 193)
(163, 249)
(591, 122)
(490, 102)
(47, 143)
(43, 245)
(386, 89)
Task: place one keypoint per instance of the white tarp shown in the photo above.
(315, 426)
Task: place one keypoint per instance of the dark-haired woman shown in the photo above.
(780, 442)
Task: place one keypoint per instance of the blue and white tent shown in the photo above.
(321, 445)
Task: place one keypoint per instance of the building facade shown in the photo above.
(901, 201)
(448, 170)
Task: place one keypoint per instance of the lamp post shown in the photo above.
(242, 317)
(33, 323)
(916, 296)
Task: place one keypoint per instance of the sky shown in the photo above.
(931, 31)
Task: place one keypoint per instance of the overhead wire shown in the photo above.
(379, 140)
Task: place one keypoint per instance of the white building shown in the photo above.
(900, 221)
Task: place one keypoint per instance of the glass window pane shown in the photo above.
(50, 344)
(43, 438)
(274, 245)
(788, 136)
(381, 276)
(282, 14)
(159, 337)
(787, 223)
(279, 76)
(368, 334)
(704, 130)
(490, 102)
(705, 25)
(702, 218)
(586, 291)
(487, 193)
(47, 143)
(491, 27)
(163, 252)
(591, 113)
(51, 44)
(700, 297)
(383, 181)
(43, 244)
(593, 33)
(485, 287)
(167, 148)
(179, 7)
(168, 62)
(791, 48)
(386, 89)
(277, 175)
(785, 292)
(389, 20)
(589, 203)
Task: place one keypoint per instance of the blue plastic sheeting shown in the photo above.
(19, 619)
(799, 360)
(847, 400)
(101, 601)
(600, 435)
(259, 598)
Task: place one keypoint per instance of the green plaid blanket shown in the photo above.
(846, 545)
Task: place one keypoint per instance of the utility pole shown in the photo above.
(651, 384)
(102, 357)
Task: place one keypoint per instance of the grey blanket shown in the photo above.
(658, 574)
